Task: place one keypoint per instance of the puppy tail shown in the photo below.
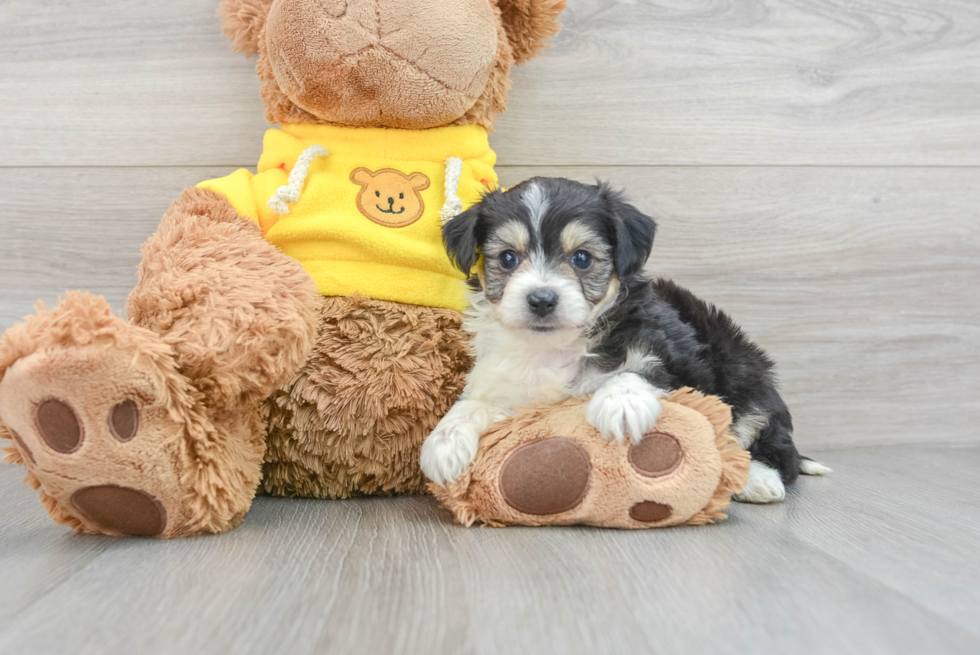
(811, 467)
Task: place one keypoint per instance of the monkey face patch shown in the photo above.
(389, 197)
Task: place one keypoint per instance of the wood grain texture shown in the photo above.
(814, 166)
(873, 559)
(107, 82)
(864, 293)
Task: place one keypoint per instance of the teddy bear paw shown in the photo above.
(89, 427)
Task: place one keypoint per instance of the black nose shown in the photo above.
(542, 301)
(391, 201)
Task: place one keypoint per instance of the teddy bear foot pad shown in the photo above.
(549, 467)
(90, 429)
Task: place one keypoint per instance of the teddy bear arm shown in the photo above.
(239, 314)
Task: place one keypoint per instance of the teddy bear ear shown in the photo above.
(529, 24)
(242, 21)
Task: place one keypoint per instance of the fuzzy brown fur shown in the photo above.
(353, 419)
(698, 491)
(237, 312)
(206, 466)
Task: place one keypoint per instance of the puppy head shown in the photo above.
(554, 252)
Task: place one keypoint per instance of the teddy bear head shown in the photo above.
(409, 64)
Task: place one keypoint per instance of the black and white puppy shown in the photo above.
(560, 307)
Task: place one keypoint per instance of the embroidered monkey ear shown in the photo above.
(242, 22)
(418, 181)
(361, 176)
(529, 24)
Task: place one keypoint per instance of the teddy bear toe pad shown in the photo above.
(89, 427)
(656, 455)
(58, 425)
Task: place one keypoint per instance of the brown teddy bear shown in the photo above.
(294, 331)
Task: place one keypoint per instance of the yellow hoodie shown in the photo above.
(365, 218)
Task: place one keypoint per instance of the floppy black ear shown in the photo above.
(460, 238)
(635, 232)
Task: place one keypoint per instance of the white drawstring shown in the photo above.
(453, 206)
(288, 194)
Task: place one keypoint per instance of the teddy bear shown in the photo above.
(294, 331)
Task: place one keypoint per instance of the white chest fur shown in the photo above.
(517, 370)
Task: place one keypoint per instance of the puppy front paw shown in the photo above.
(449, 450)
(626, 406)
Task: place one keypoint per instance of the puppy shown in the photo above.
(560, 307)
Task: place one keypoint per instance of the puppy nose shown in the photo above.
(542, 301)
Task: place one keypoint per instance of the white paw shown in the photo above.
(626, 406)
(810, 467)
(449, 450)
(764, 486)
(451, 447)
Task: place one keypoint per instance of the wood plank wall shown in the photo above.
(813, 165)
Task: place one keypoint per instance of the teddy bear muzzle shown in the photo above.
(413, 63)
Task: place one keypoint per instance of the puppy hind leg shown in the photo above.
(775, 463)
(774, 447)
(764, 486)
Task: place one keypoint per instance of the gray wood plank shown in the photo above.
(109, 82)
(864, 293)
(394, 575)
(83, 232)
(860, 282)
(905, 516)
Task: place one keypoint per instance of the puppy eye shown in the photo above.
(581, 259)
(509, 260)
(377, 193)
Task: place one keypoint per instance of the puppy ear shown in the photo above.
(459, 235)
(242, 22)
(529, 23)
(635, 232)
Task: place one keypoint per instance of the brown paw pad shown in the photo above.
(120, 509)
(546, 477)
(657, 455)
(124, 420)
(59, 425)
(649, 511)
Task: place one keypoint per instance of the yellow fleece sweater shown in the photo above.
(367, 219)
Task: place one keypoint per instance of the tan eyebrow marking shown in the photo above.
(576, 234)
(513, 234)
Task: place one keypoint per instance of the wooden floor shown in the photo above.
(880, 558)
(815, 169)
